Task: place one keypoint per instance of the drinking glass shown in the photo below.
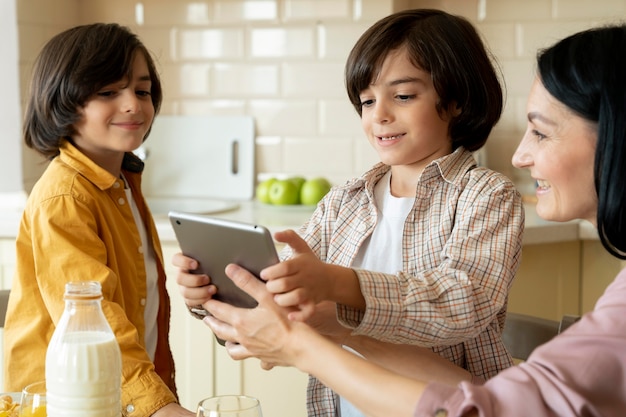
(229, 406)
(33, 401)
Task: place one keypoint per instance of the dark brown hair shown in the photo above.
(451, 50)
(71, 67)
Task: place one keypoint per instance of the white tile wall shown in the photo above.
(281, 61)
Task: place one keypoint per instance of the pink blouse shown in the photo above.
(581, 372)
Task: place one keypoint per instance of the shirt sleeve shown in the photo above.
(459, 297)
(578, 373)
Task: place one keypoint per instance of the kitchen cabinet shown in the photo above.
(548, 281)
(598, 269)
(561, 278)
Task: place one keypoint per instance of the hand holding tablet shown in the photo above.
(215, 243)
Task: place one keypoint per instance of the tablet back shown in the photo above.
(216, 242)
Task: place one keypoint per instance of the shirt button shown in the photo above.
(441, 412)
(116, 184)
(130, 408)
(140, 249)
(121, 201)
(362, 227)
(143, 301)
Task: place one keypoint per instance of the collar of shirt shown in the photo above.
(99, 176)
(447, 168)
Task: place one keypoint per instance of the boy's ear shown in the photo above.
(454, 109)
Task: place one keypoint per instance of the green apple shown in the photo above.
(298, 181)
(283, 192)
(263, 190)
(314, 190)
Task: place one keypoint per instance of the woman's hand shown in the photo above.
(262, 332)
(324, 321)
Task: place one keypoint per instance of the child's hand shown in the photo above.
(303, 281)
(298, 281)
(194, 288)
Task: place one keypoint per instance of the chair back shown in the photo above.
(4, 303)
(523, 333)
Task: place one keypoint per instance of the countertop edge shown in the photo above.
(537, 231)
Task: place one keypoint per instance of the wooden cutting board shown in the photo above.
(200, 157)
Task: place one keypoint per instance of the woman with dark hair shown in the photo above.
(575, 148)
(421, 249)
(94, 94)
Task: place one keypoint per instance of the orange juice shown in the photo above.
(39, 411)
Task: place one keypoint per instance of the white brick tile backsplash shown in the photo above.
(269, 155)
(310, 155)
(245, 80)
(194, 80)
(500, 38)
(313, 80)
(282, 42)
(198, 44)
(372, 10)
(158, 42)
(518, 75)
(586, 9)
(246, 10)
(61, 12)
(282, 62)
(209, 107)
(542, 34)
(119, 11)
(336, 40)
(166, 12)
(516, 10)
(338, 117)
(284, 117)
(316, 9)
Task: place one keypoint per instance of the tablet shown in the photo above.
(215, 243)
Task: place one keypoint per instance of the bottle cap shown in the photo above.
(83, 290)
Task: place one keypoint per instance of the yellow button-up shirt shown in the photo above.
(78, 226)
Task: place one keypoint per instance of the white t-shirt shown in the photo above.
(152, 297)
(382, 251)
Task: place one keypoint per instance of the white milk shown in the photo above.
(83, 376)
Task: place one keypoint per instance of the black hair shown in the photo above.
(586, 72)
(452, 51)
(71, 67)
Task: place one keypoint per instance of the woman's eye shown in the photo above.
(107, 93)
(366, 103)
(143, 93)
(539, 135)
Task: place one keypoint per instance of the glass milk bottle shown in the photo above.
(83, 361)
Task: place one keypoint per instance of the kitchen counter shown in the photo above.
(275, 218)
(537, 231)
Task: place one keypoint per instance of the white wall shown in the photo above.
(11, 187)
(212, 62)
